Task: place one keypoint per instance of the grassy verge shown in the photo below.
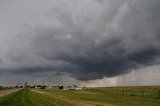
(24, 97)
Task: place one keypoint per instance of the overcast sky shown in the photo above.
(87, 42)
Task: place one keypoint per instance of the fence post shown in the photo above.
(142, 92)
(159, 94)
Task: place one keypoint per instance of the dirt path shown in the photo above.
(8, 91)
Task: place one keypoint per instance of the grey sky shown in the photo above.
(82, 39)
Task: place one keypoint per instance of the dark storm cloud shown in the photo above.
(122, 38)
(105, 38)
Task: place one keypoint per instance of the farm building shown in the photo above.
(72, 87)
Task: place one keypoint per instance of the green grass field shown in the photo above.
(110, 96)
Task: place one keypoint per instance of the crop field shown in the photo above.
(104, 96)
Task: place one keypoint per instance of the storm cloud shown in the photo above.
(84, 39)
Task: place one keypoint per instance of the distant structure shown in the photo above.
(26, 84)
(72, 87)
(40, 87)
(19, 85)
(46, 84)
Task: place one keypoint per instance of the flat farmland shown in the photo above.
(102, 96)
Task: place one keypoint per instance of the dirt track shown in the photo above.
(8, 91)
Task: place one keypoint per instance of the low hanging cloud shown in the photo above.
(87, 39)
(141, 77)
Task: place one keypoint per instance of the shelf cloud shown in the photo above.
(83, 39)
